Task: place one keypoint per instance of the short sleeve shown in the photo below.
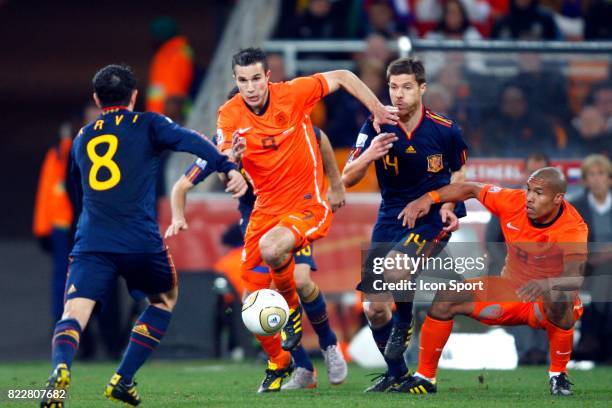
(225, 129)
(502, 201)
(364, 138)
(458, 148)
(309, 90)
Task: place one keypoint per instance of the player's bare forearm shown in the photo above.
(355, 171)
(449, 193)
(329, 162)
(353, 85)
(456, 177)
(178, 197)
(343, 78)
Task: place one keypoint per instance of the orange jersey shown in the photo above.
(535, 251)
(282, 158)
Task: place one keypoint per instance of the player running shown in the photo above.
(284, 165)
(547, 247)
(423, 152)
(311, 297)
(116, 160)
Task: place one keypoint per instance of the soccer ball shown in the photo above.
(265, 312)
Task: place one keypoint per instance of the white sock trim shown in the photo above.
(431, 380)
(552, 374)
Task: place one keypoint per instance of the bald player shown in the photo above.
(538, 287)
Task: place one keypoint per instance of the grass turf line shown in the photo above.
(222, 384)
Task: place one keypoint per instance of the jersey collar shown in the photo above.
(410, 134)
(548, 224)
(263, 109)
(111, 109)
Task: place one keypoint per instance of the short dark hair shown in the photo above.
(408, 65)
(114, 84)
(250, 56)
(553, 177)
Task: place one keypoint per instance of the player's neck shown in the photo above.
(548, 219)
(412, 119)
(260, 110)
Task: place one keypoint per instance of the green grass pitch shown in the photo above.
(222, 384)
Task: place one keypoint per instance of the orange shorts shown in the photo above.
(498, 305)
(307, 226)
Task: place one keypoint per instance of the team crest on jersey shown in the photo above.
(281, 119)
(361, 140)
(435, 163)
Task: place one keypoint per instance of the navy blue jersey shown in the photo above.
(417, 163)
(199, 170)
(115, 163)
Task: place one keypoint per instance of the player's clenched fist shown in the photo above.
(380, 146)
(236, 184)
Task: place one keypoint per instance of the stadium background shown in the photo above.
(51, 51)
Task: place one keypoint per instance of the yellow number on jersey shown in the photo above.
(388, 163)
(106, 160)
(306, 251)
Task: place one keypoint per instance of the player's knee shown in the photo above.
(79, 310)
(272, 253)
(561, 315)
(165, 301)
(442, 310)
(377, 313)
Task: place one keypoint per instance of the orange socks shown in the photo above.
(560, 344)
(285, 282)
(434, 335)
(279, 358)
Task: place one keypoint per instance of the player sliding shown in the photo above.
(547, 246)
(311, 297)
(282, 161)
(423, 152)
(115, 163)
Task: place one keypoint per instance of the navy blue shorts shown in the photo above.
(92, 274)
(425, 239)
(303, 256)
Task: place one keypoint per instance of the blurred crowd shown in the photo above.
(508, 104)
(572, 20)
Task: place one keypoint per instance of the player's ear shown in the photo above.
(97, 100)
(558, 198)
(423, 87)
(268, 74)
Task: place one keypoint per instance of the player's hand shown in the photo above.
(414, 210)
(532, 290)
(236, 184)
(384, 115)
(238, 146)
(176, 226)
(337, 197)
(449, 219)
(380, 146)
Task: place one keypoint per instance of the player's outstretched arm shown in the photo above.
(353, 85)
(449, 218)
(337, 192)
(357, 167)
(452, 192)
(178, 199)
